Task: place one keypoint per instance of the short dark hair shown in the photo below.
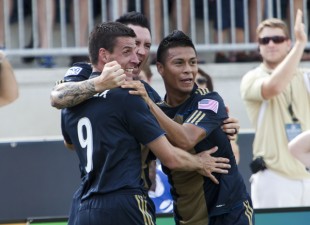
(175, 39)
(134, 18)
(105, 36)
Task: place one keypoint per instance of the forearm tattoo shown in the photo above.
(72, 93)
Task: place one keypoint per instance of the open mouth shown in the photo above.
(129, 70)
(187, 80)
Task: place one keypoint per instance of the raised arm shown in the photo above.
(69, 94)
(284, 72)
(8, 84)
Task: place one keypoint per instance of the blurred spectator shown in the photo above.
(204, 80)
(256, 15)
(82, 17)
(10, 10)
(277, 99)
(46, 19)
(8, 84)
(158, 15)
(224, 29)
(283, 11)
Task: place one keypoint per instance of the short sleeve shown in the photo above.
(78, 72)
(208, 112)
(142, 124)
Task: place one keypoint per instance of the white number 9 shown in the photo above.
(87, 141)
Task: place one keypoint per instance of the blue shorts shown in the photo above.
(243, 214)
(118, 208)
(76, 201)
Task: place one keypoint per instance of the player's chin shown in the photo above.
(129, 76)
(185, 90)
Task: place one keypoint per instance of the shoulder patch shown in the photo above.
(75, 70)
(209, 104)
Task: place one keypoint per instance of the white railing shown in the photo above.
(63, 37)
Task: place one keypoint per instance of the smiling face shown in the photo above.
(143, 45)
(124, 53)
(178, 72)
(273, 53)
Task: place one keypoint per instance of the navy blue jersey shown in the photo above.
(106, 131)
(206, 110)
(82, 71)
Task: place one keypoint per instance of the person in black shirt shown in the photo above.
(192, 118)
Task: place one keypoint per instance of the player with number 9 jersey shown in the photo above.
(106, 131)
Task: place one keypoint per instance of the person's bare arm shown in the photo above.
(72, 93)
(284, 72)
(300, 148)
(177, 159)
(8, 84)
(184, 136)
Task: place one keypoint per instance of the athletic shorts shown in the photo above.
(116, 209)
(243, 214)
(76, 201)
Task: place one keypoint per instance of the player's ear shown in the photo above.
(160, 68)
(103, 55)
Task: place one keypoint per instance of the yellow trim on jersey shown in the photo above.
(248, 211)
(196, 117)
(202, 91)
(142, 203)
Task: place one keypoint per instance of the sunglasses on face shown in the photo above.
(274, 39)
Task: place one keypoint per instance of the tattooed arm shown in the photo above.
(72, 93)
(69, 94)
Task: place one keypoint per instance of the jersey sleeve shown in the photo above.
(141, 121)
(151, 92)
(208, 112)
(78, 72)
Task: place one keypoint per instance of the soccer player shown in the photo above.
(192, 118)
(76, 89)
(106, 132)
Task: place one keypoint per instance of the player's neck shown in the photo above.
(176, 99)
